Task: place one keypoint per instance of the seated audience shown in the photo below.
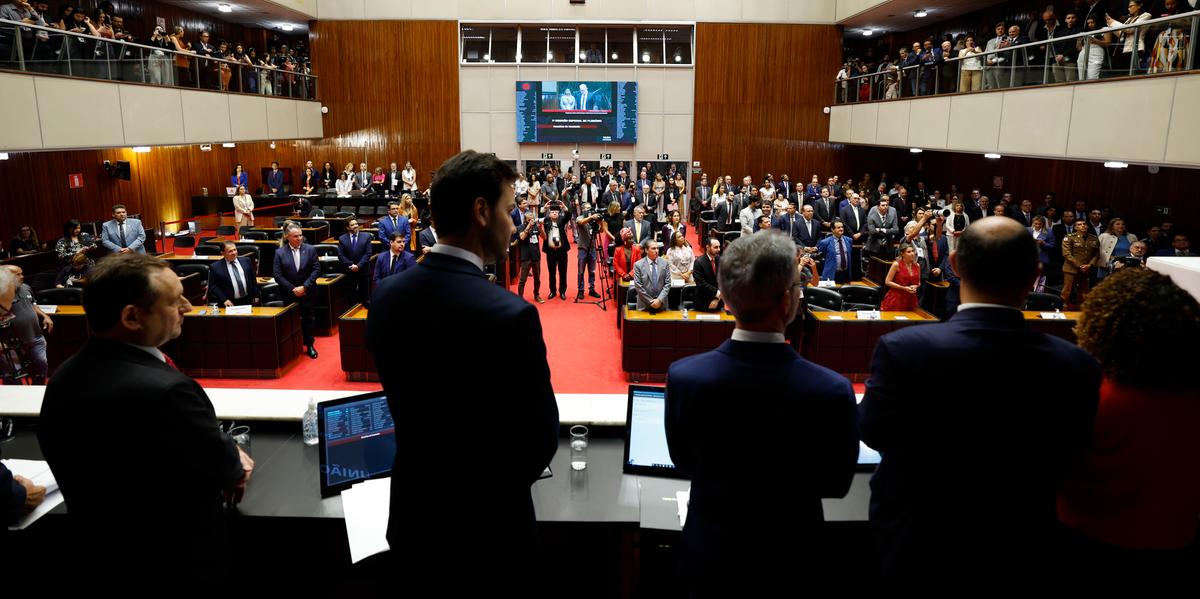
(26, 242)
(73, 242)
(394, 261)
(74, 273)
(1131, 502)
(232, 280)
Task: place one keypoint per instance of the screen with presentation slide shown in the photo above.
(577, 112)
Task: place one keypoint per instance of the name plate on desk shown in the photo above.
(1053, 316)
(867, 315)
(707, 316)
(826, 283)
(900, 318)
(239, 310)
(836, 317)
(48, 308)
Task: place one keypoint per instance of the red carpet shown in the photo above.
(583, 347)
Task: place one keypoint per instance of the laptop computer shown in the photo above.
(356, 441)
(646, 450)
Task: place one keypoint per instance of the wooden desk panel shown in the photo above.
(331, 301)
(357, 362)
(843, 343)
(651, 342)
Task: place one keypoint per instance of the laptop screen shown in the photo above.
(357, 440)
(646, 436)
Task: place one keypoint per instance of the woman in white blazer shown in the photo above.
(243, 208)
(955, 224)
(1115, 242)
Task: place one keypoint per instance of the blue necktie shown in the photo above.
(654, 273)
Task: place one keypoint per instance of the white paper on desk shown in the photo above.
(39, 472)
(836, 317)
(239, 310)
(900, 318)
(682, 498)
(707, 316)
(867, 315)
(1053, 316)
(365, 506)
(48, 308)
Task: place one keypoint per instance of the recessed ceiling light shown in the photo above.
(921, 14)
(228, 145)
(868, 32)
(915, 150)
(614, 55)
(288, 27)
(141, 149)
(991, 155)
(3, 155)
(645, 57)
(1116, 164)
(224, 8)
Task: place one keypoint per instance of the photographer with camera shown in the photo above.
(587, 226)
(555, 246)
(526, 239)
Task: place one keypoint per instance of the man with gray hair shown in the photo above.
(651, 279)
(18, 495)
(721, 444)
(296, 270)
(27, 323)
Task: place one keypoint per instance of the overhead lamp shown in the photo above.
(1116, 164)
(915, 150)
(991, 155)
(678, 58)
(3, 155)
(549, 57)
(921, 14)
(645, 57)
(868, 32)
(288, 27)
(614, 55)
(141, 149)
(487, 57)
(228, 145)
(224, 8)
(272, 145)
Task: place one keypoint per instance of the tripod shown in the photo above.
(13, 362)
(602, 265)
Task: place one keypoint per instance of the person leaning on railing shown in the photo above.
(971, 69)
(1123, 60)
(1093, 50)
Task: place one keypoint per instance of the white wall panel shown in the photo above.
(205, 117)
(1126, 120)
(308, 120)
(18, 99)
(65, 124)
(679, 97)
(504, 134)
(328, 10)
(503, 86)
(151, 115)
(812, 11)
(864, 119)
(975, 122)
(892, 128)
(248, 118)
(764, 11)
(474, 90)
(475, 131)
(650, 90)
(718, 10)
(927, 123)
(677, 135)
(1036, 121)
(839, 124)
(1183, 144)
(281, 119)
(387, 9)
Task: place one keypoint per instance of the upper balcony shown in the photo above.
(1124, 92)
(153, 94)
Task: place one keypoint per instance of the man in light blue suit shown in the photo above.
(837, 259)
(123, 235)
(393, 223)
(722, 407)
(651, 279)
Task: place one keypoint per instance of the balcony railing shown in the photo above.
(1163, 45)
(46, 50)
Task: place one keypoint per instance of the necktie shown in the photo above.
(713, 264)
(392, 264)
(728, 212)
(169, 361)
(841, 254)
(857, 225)
(296, 257)
(395, 225)
(637, 230)
(935, 254)
(808, 227)
(792, 226)
(124, 243)
(654, 274)
(235, 274)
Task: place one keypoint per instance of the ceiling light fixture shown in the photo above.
(991, 155)
(645, 57)
(1116, 164)
(614, 55)
(288, 27)
(141, 149)
(921, 14)
(915, 150)
(3, 155)
(228, 145)
(224, 8)
(868, 32)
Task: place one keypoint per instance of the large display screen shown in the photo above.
(577, 112)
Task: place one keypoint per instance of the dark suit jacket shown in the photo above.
(722, 213)
(385, 267)
(355, 251)
(426, 238)
(822, 213)
(183, 461)
(12, 501)
(274, 181)
(286, 275)
(220, 283)
(984, 435)
(706, 281)
(386, 228)
(723, 449)
(500, 377)
(804, 237)
(647, 231)
(847, 216)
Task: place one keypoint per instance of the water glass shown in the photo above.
(579, 445)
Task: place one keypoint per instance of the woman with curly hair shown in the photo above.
(1131, 503)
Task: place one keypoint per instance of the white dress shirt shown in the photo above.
(457, 252)
(757, 336)
(241, 278)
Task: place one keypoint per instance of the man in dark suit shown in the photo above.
(826, 209)
(427, 238)
(968, 437)
(789, 222)
(354, 252)
(393, 222)
(612, 194)
(1024, 215)
(394, 261)
(808, 229)
(296, 271)
(785, 187)
(441, 532)
(708, 265)
(275, 181)
(231, 280)
(135, 304)
(726, 214)
(641, 228)
(854, 217)
(722, 448)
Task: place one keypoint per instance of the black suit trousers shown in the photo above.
(308, 322)
(556, 262)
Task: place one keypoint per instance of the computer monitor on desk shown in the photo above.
(357, 441)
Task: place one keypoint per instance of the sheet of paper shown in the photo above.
(365, 506)
(900, 318)
(682, 497)
(38, 472)
(836, 317)
(239, 310)
(1053, 316)
(48, 309)
(699, 316)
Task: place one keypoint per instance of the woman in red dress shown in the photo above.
(903, 280)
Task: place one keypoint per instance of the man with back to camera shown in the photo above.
(732, 463)
(296, 270)
(134, 305)
(123, 235)
(442, 536)
(232, 280)
(966, 487)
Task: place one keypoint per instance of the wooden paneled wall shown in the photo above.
(392, 92)
(1132, 193)
(759, 99)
